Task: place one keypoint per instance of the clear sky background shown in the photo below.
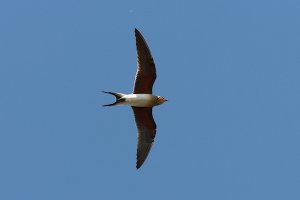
(231, 72)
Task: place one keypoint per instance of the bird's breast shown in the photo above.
(141, 100)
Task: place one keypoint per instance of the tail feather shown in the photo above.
(118, 97)
(112, 104)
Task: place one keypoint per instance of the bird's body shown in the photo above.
(136, 100)
(142, 100)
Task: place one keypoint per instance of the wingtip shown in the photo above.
(138, 163)
(138, 166)
(136, 31)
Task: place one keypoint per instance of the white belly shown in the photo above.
(141, 100)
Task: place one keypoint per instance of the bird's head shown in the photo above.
(160, 100)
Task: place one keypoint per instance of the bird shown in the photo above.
(142, 100)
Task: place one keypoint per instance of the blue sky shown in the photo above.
(230, 70)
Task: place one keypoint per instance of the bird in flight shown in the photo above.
(142, 100)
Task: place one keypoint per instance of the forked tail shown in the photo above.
(118, 96)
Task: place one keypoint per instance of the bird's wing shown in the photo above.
(146, 72)
(146, 132)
